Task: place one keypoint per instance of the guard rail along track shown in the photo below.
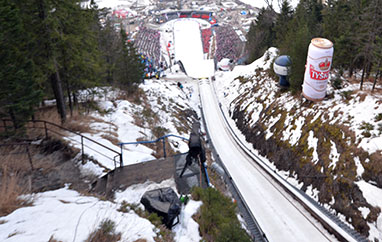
(329, 221)
(252, 225)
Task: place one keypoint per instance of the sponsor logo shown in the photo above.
(318, 75)
(324, 65)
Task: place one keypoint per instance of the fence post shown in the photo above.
(164, 147)
(5, 126)
(46, 130)
(82, 149)
(29, 156)
(120, 158)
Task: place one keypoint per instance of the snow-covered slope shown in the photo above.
(66, 215)
(327, 147)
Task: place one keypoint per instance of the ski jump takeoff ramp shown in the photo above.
(189, 49)
(280, 218)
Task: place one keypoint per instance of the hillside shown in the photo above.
(330, 149)
(60, 195)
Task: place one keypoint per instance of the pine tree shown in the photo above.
(65, 39)
(298, 51)
(110, 46)
(129, 69)
(80, 61)
(305, 25)
(377, 66)
(41, 19)
(366, 38)
(19, 80)
(261, 34)
(282, 21)
(339, 26)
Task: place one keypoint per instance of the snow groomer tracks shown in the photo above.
(279, 210)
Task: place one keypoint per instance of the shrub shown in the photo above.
(337, 83)
(105, 233)
(378, 117)
(217, 220)
(347, 94)
(155, 219)
(367, 126)
(366, 134)
(380, 128)
(159, 131)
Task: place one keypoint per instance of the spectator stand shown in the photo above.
(228, 43)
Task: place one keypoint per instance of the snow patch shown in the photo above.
(296, 133)
(312, 143)
(334, 155)
(359, 166)
(188, 230)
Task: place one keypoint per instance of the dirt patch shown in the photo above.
(333, 183)
(54, 165)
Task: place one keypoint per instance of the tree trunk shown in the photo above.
(69, 98)
(58, 93)
(368, 70)
(363, 75)
(13, 118)
(375, 80)
(351, 71)
(75, 100)
(65, 77)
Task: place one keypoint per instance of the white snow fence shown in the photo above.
(318, 63)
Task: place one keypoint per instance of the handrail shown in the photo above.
(46, 127)
(152, 141)
(163, 138)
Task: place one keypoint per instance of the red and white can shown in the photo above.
(318, 63)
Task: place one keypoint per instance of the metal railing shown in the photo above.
(52, 128)
(163, 139)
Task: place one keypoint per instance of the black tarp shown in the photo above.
(164, 202)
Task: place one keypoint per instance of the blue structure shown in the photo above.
(281, 66)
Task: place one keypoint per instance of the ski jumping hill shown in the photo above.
(189, 49)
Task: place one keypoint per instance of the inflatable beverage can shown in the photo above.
(318, 63)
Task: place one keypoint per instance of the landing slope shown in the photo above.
(278, 217)
(189, 49)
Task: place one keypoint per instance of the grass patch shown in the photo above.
(159, 131)
(380, 129)
(378, 117)
(13, 234)
(367, 126)
(10, 191)
(105, 233)
(346, 94)
(217, 218)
